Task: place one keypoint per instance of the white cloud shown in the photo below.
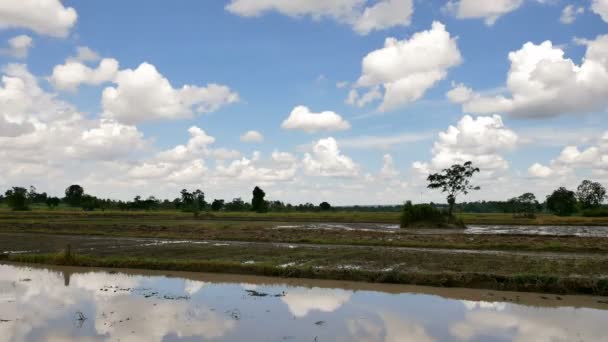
(301, 118)
(84, 54)
(480, 140)
(18, 46)
(364, 16)
(388, 167)
(47, 17)
(301, 302)
(144, 94)
(569, 14)
(327, 160)
(406, 69)
(543, 83)
(72, 74)
(459, 93)
(14, 129)
(254, 169)
(252, 137)
(600, 7)
(539, 171)
(490, 11)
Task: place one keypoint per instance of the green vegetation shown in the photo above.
(454, 181)
(427, 216)
(508, 272)
(562, 202)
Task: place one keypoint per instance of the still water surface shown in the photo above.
(64, 304)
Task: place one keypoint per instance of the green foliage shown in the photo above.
(597, 212)
(193, 202)
(17, 198)
(562, 202)
(217, 205)
(454, 181)
(258, 204)
(237, 204)
(325, 206)
(52, 202)
(525, 205)
(425, 215)
(590, 194)
(73, 195)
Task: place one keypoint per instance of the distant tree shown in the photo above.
(52, 202)
(16, 198)
(590, 194)
(258, 203)
(193, 201)
(237, 204)
(217, 204)
(525, 205)
(454, 181)
(562, 202)
(325, 206)
(89, 203)
(73, 195)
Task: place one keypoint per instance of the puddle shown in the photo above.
(372, 227)
(64, 303)
(584, 231)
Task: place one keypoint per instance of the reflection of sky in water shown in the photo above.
(123, 307)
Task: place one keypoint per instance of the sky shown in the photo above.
(345, 101)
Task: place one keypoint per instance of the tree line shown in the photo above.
(454, 181)
(194, 201)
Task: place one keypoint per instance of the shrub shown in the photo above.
(420, 213)
(600, 212)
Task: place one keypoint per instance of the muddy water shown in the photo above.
(585, 231)
(39, 304)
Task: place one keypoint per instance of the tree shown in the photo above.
(325, 206)
(258, 203)
(73, 195)
(562, 202)
(525, 205)
(237, 204)
(454, 181)
(52, 202)
(17, 198)
(89, 203)
(217, 205)
(590, 194)
(193, 201)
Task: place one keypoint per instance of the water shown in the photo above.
(584, 231)
(59, 304)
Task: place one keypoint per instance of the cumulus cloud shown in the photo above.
(282, 167)
(48, 17)
(543, 83)
(569, 14)
(480, 140)
(14, 129)
(364, 16)
(539, 171)
(18, 46)
(144, 94)
(301, 118)
(73, 73)
(388, 167)
(600, 7)
(384, 142)
(252, 137)
(327, 160)
(406, 69)
(490, 11)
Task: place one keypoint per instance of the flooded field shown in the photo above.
(97, 305)
(584, 231)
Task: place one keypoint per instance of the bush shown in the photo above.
(420, 213)
(600, 212)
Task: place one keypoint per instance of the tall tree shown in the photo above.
(258, 203)
(454, 181)
(525, 205)
(562, 202)
(17, 198)
(73, 195)
(590, 194)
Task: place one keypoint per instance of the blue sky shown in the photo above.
(270, 58)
